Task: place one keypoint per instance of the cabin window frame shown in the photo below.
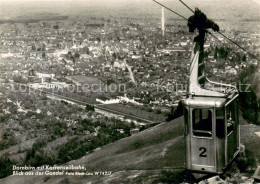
(205, 132)
(220, 113)
(231, 120)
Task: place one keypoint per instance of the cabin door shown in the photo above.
(202, 140)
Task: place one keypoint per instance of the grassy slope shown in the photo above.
(142, 154)
(138, 158)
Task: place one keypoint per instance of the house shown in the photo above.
(230, 70)
(50, 85)
(134, 131)
(253, 62)
(215, 70)
(105, 100)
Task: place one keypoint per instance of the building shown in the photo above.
(50, 85)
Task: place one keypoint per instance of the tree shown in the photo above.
(216, 53)
(244, 58)
(6, 166)
(223, 53)
(86, 49)
(158, 111)
(89, 108)
(19, 79)
(132, 125)
(76, 55)
(114, 55)
(33, 47)
(127, 130)
(56, 27)
(170, 177)
(177, 113)
(247, 97)
(98, 39)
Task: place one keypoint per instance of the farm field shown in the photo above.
(138, 111)
(84, 79)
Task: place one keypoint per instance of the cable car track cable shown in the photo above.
(249, 53)
(171, 10)
(187, 6)
(252, 55)
(225, 45)
(206, 30)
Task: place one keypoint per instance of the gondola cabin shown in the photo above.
(211, 132)
(210, 111)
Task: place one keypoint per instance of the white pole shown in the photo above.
(163, 28)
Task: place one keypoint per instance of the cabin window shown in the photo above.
(202, 122)
(186, 114)
(220, 122)
(231, 117)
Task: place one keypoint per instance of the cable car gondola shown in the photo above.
(210, 111)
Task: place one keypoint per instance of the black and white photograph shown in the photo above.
(129, 91)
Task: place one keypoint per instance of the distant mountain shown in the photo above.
(220, 9)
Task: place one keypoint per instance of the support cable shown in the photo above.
(249, 53)
(171, 10)
(225, 45)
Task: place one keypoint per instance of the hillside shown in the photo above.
(250, 99)
(256, 81)
(139, 158)
(142, 155)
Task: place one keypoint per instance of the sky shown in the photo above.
(64, 1)
(213, 8)
(257, 1)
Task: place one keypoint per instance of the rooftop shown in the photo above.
(207, 102)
